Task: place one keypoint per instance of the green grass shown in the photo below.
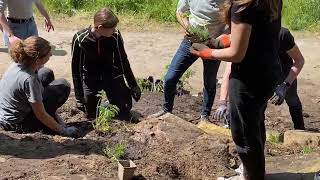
(297, 14)
(301, 14)
(274, 139)
(307, 149)
(162, 11)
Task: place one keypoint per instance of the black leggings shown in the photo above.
(116, 90)
(247, 126)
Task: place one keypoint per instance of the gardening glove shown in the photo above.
(70, 132)
(223, 41)
(221, 112)
(136, 93)
(202, 51)
(280, 93)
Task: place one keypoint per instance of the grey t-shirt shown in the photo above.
(203, 13)
(19, 9)
(19, 87)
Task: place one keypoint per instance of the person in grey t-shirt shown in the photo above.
(202, 13)
(30, 96)
(19, 23)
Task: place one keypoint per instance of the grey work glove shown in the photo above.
(222, 111)
(280, 93)
(70, 132)
(136, 93)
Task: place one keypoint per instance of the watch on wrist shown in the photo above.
(287, 83)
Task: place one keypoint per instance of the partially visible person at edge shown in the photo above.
(203, 14)
(29, 96)
(292, 61)
(19, 22)
(100, 62)
(255, 73)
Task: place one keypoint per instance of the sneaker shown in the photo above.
(204, 118)
(157, 114)
(239, 169)
(239, 177)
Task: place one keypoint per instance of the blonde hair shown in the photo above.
(27, 51)
(106, 18)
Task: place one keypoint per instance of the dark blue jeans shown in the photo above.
(295, 107)
(180, 63)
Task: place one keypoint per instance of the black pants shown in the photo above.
(295, 107)
(247, 126)
(116, 90)
(55, 94)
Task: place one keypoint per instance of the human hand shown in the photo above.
(136, 93)
(280, 93)
(202, 51)
(223, 41)
(48, 25)
(70, 132)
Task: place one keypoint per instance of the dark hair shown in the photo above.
(27, 51)
(271, 5)
(106, 18)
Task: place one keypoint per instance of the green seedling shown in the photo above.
(201, 33)
(117, 152)
(104, 115)
(273, 139)
(307, 149)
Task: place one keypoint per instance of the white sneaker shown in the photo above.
(239, 177)
(239, 169)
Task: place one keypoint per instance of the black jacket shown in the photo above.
(101, 58)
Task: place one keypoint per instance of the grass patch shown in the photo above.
(273, 139)
(116, 152)
(301, 14)
(307, 149)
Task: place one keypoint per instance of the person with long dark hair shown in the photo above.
(255, 73)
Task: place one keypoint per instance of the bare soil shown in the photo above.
(161, 149)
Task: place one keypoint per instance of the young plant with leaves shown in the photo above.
(116, 152)
(104, 115)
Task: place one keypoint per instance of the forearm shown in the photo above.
(129, 76)
(4, 24)
(182, 20)
(294, 72)
(43, 12)
(49, 122)
(298, 62)
(225, 83)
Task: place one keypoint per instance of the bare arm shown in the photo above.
(240, 36)
(48, 23)
(45, 118)
(4, 24)
(225, 83)
(298, 62)
(182, 19)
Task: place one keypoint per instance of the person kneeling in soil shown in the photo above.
(291, 61)
(29, 95)
(99, 62)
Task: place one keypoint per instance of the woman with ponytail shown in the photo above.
(255, 72)
(29, 95)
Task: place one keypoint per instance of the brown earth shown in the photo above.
(162, 149)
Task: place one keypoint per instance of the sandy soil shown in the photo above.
(37, 156)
